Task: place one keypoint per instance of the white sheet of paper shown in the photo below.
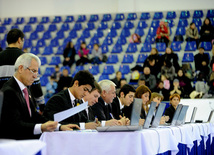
(70, 112)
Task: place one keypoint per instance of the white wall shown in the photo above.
(26, 8)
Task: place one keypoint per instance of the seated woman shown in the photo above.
(192, 34)
(83, 54)
(206, 31)
(162, 34)
(168, 70)
(69, 54)
(174, 101)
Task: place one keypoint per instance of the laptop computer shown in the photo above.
(192, 119)
(149, 116)
(182, 115)
(210, 116)
(158, 115)
(134, 120)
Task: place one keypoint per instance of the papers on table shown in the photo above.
(70, 112)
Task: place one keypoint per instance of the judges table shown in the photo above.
(185, 139)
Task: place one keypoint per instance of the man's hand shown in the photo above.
(49, 126)
(141, 121)
(68, 127)
(92, 125)
(112, 122)
(124, 120)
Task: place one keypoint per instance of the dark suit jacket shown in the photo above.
(170, 112)
(60, 102)
(87, 118)
(101, 111)
(116, 108)
(16, 122)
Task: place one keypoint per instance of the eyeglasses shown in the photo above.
(33, 71)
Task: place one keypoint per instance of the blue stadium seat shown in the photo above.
(132, 48)
(55, 60)
(198, 14)
(90, 26)
(197, 22)
(108, 69)
(40, 43)
(142, 24)
(40, 28)
(32, 20)
(139, 31)
(48, 50)
(43, 80)
(184, 15)
(158, 15)
(152, 31)
(176, 46)
(99, 34)
(141, 58)
(14, 27)
(112, 33)
(69, 19)
(77, 69)
(34, 50)
(210, 13)
(27, 28)
(85, 34)
(124, 69)
(190, 46)
(170, 22)
(65, 27)
(150, 39)
(155, 23)
(125, 33)
(60, 34)
(73, 34)
(90, 47)
(57, 19)
(108, 41)
(104, 49)
(47, 35)
(206, 45)
(183, 23)
(43, 60)
(129, 25)
(60, 50)
(132, 16)
(171, 15)
(128, 58)
(3, 44)
(161, 47)
(81, 18)
(66, 40)
(106, 17)
(116, 25)
(119, 17)
(112, 59)
(49, 71)
(180, 31)
(146, 47)
(212, 21)
(65, 67)
(103, 77)
(94, 70)
(27, 43)
(52, 27)
(20, 20)
(117, 48)
(77, 26)
(121, 40)
(94, 18)
(45, 20)
(145, 16)
(54, 42)
(3, 29)
(103, 26)
(94, 40)
(7, 21)
(188, 57)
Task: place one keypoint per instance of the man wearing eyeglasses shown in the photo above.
(19, 119)
(15, 40)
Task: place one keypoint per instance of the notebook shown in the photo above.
(134, 121)
(158, 115)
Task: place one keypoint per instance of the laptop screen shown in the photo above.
(136, 111)
(176, 114)
(182, 115)
(149, 115)
(158, 115)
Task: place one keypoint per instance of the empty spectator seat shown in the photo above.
(142, 24)
(145, 16)
(141, 58)
(210, 13)
(54, 42)
(55, 60)
(94, 70)
(116, 25)
(206, 45)
(65, 27)
(129, 25)
(106, 17)
(128, 58)
(132, 48)
(34, 50)
(104, 49)
(188, 57)
(103, 77)
(52, 27)
(32, 20)
(146, 47)
(40, 43)
(49, 71)
(44, 81)
(117, 48)
(198, 14)
(190, 46)
(81, 18)
(171, 15)
(48, 50)
(161, 47)
(139, 31)
(90, 26)
(184, 15)
(158, 15)
(112, 59)
(69, 19)
(94, 18)
(20, 20)
(27, 43)
(108, 69)
(176, 46)
(132, 16)
(124, 69)
(119, 17)
(45, 20)
(183, 23)
(77, 26)
(27, 28)
(197, 22)
(43, 60)
(57, 19)
(121, 40)
(60, 50)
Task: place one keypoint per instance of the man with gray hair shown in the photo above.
(19, 119)
(103, 109)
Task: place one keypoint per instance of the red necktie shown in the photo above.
(27, 100)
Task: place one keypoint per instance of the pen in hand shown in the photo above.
(111, 116)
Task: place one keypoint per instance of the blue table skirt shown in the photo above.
(196, 150)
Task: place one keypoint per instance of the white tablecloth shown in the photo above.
(144, 142)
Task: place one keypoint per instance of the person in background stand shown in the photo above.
(192, 34)
(64, 81)
(161, 90)
(51, 87)
(83, 54)
(97, 55)
(117, 79)
(162, 34)
(207, 31)
(69, 54)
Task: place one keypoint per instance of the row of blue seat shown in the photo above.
(108, 17)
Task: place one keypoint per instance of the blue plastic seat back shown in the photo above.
(132, 16)
(27, 28)
(43, 60)
(85, 33)
(121, 40)
(132, 48)
(152, 31)
(44, 80)
(197, 22)
(180, 31)
(129, 25)
(155, 23)
(54, 42)
(108, 41)
(106, 17)
(104, 49)
(77, 69)
(7, 21)
(161, 47)
(141, 58)
(108, 69)
(32, 20)
(90, 26)
(15, 27)
(94, 40)
(103, 26)
(116, 25)
(73, 34)
(65, 67)
(94, 18)
(183, 23)
(198, 14)
(27, 43)
(3, 29)
(112, 59)
(188, 57)
(119, 17)
(40, 43)
(146, 47)
(65, 27)
(47, 35)
(94, 70)
(48, 50)
(145, 16)
(158, 15)
(20, 20)
(103, 77)
(55, 60)
(52, 27)
(49, 71)
(99, 34)
(210, 13)
(171, 23)
(184, 15)
(206, 45)
(128, 58)
(125, 33)
(176, 46)
(81, 18)
(57, 19)
(190, 46)
(34, 50)
(142, 24)
(77, 26)
(171, 15)
(60, 50)
(150, 39)
(60, 34)
(69, 19)
(112, 33)
(139, 31)
(3, 44)
(124, 69)
(40, 28)
(45, 20)
(117, 48)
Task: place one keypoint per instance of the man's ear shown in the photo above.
(122, 94)
(19, 40)
(76, 83)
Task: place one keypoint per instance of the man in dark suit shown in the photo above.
(125, 99)
(82, 83)
(20, 119)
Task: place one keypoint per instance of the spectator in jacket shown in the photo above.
(168, 70)
(97, 55)
(192, 34)
(83, 54)
(162, 34)
(69, 54)
(149, 78)
(206, 31)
